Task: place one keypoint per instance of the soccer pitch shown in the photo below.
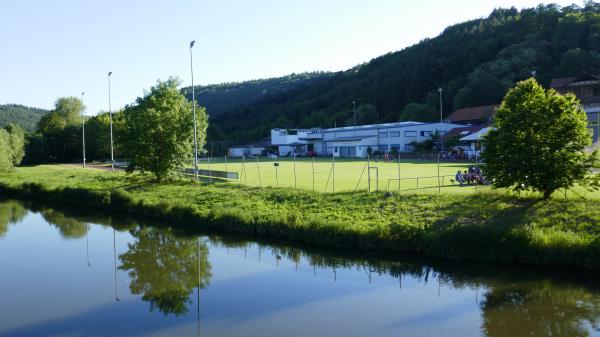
(343, 175)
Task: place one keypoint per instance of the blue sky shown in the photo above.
(63, 47)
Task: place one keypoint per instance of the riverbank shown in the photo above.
(484, 226)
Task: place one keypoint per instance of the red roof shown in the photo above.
(482, 113)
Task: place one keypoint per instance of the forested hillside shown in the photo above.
(220, 98)
(25, 117)
(475, 62)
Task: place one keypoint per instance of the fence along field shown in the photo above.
(339, 175)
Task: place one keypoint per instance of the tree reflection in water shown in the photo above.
(69, 227)
(540, 309)
(11, 212)
(164, 268)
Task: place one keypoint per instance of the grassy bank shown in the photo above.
(484, 226)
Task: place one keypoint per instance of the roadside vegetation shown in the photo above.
(489, 226)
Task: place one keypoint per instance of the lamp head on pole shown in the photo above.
(82, 93)
(192, 43)
(109, 73)
(440, 89)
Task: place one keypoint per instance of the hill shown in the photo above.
(221, 98)
(25, 117)
(475, 62)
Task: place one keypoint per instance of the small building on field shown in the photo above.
(245, 151)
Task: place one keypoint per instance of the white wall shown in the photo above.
(245, 151)
(384, 135)
(281, 137)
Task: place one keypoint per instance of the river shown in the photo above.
(71, 272)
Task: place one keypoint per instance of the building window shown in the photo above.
(395, 134)
(596, 92)
(383, 134)
(382, 147)
(426, 133)
(335, 149)
(395, 147)
(409, 147)
(410, 133)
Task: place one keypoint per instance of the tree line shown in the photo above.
(154, 134)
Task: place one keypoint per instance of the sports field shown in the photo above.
(343, 175)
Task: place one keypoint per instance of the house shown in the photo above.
(474, 139)
(587, 89)
(296, 142)
(479, 115)
(458, 134)
(355, 141)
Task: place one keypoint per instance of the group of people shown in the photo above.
(473, 176)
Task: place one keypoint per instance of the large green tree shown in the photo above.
(12, 146)
(60, 132)
(5, 151)
(158, 134)
(16, 141)
(538, 141)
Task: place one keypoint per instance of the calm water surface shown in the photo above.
(67, 273)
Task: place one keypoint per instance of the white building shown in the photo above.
(355, 141)
(245, 151)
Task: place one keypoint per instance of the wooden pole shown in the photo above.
(258, 170)
(209, 169)
(244, 170)
(333, 172)
(399, 172)
(369, 173)
(295, 183)
(313, 173)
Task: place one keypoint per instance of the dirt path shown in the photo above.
(96, 166)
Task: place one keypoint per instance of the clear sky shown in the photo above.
(63, 47)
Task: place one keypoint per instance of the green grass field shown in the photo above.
(344, 175)
(351, 174)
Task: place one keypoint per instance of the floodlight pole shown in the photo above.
(194, 112)
(83, 127)
(112, 152)
(441, 121)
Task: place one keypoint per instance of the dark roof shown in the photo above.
(563, 82)
(474, 113)
(462, 132)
